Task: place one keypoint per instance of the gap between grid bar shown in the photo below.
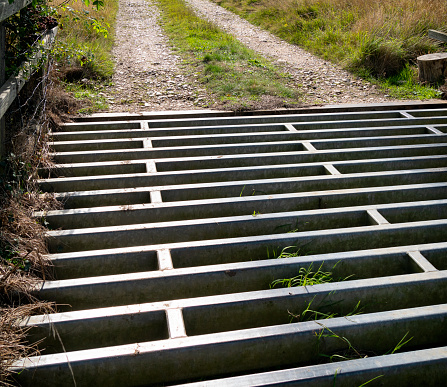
(376, 218)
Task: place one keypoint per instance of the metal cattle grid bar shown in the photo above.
(181, 236)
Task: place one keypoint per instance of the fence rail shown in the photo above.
(7, 10)
(14, 84)
(9, 89)
(438, 35)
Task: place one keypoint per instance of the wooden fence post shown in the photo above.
(433, 67)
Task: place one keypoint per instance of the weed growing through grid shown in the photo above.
(350, 352)
(371, 380)
(318, 313)
(305, 277)
(285, 252)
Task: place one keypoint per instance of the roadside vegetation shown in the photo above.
(238, 77)
(78, 66)
(377, 40)
(22, 244)
(82, 54)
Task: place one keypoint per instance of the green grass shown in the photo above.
(405, 85)
(308, 276)
(325, 309)
(90, 93)
(288, 251)
(87, 36)
(378, 41)
(305, 277)
(83, 50)
(234, 74)
(350, 352)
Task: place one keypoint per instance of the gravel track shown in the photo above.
(150, 76)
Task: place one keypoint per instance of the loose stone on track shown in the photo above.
(148, 74)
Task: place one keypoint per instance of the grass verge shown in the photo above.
(84, 64)
(378, 40)
(236, 76)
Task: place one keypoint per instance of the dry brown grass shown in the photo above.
(23, 263)
(400, 18)
(402, 15)
(397, 18)
(13, 344)
(23, 250)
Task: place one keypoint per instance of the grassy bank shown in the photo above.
(87, 36)
(83, 50)
(378, 40)
(235, 75)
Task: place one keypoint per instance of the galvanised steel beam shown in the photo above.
(180, 236)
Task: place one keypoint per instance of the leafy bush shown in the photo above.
(23, 30)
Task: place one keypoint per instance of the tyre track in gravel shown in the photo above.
(148, 74)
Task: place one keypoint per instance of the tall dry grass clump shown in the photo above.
(391, 34)
(13, 344)
(375, 38)
(23, 250)
(23, 262)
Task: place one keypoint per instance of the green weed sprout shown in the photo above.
(285, 253)
(305, 277)
(309, 314)
(350, 352)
